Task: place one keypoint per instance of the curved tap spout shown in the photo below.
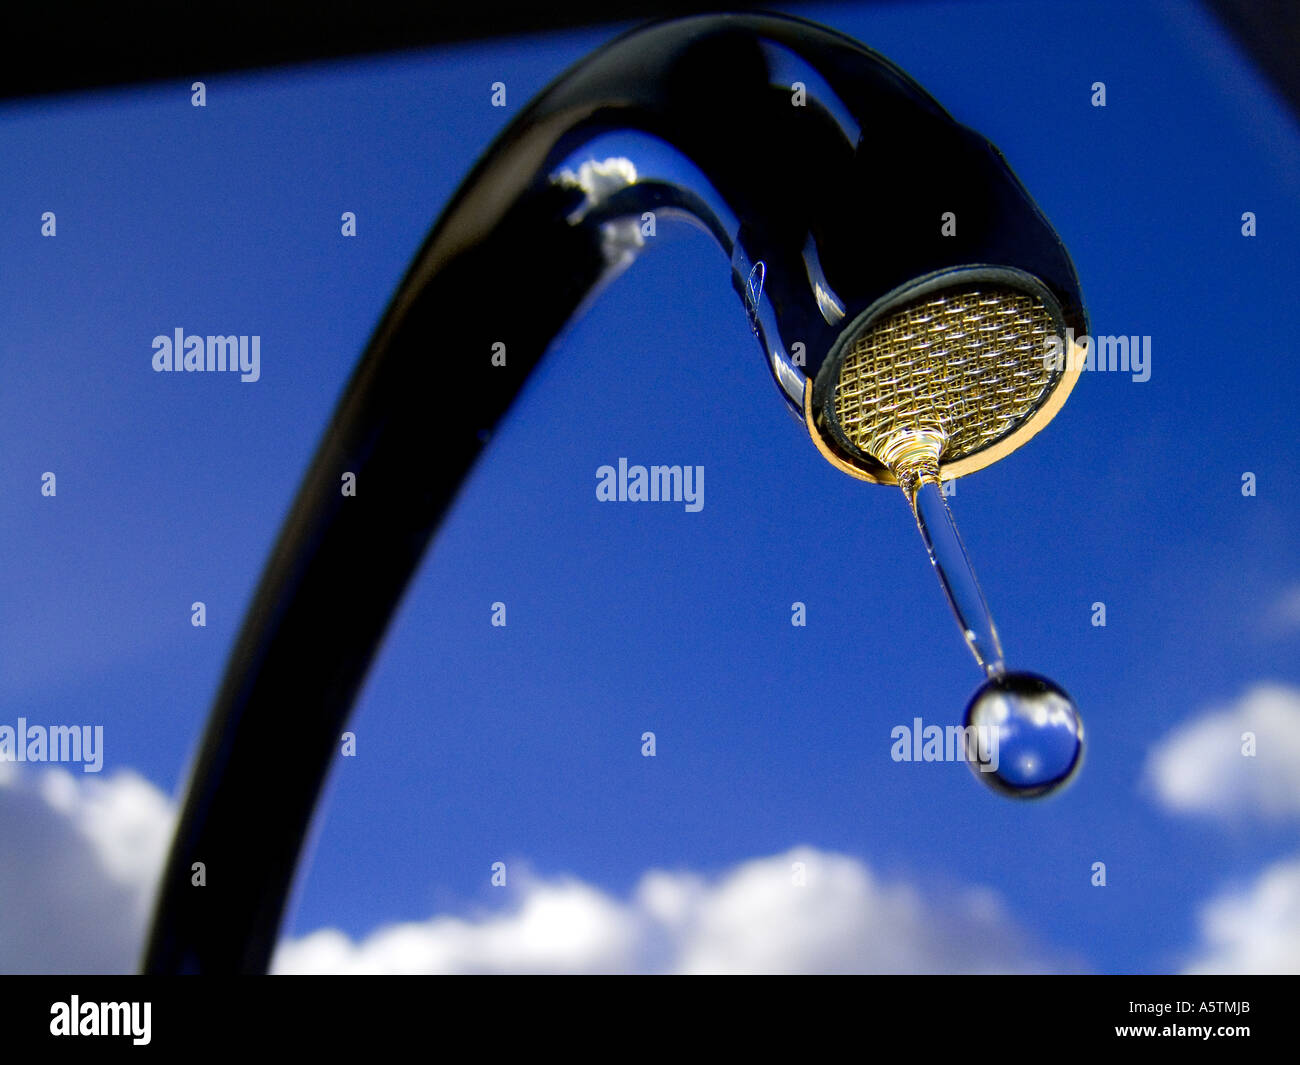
(822, 170)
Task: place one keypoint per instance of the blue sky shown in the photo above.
(479, 744)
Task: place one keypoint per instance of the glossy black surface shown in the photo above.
(505, 263)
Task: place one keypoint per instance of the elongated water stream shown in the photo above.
(1024, 735)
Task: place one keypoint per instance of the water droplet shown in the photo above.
(1027, 736)
(1029, 733)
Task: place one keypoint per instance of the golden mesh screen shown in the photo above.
(968, 363)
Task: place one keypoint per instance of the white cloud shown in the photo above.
(82, 856)
(1200, 767)
(80, 860)
(1254, 930)
(565, 926)
(753, 919)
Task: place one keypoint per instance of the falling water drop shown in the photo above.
(1029, 735)
(1028, 730)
